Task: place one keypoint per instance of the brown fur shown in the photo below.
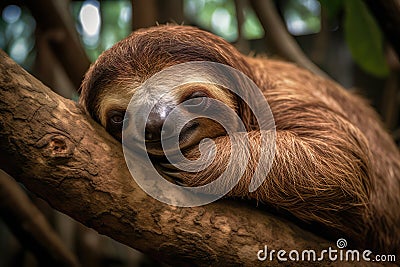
(334, 163)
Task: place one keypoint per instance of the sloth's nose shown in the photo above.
(155, 124)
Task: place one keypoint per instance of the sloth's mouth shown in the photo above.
(162, 146)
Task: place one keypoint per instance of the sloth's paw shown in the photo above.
(184, 178)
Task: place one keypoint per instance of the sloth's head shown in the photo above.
(117, 75)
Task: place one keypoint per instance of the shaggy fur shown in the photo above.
(334, 165)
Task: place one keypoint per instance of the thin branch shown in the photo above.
(241, 43)
(278, 37)
(30, 226)
(50, 145)
(53, 17)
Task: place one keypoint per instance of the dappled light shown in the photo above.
(303, 17)
(17, 28)
(89, 17)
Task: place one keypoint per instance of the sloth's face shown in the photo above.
(187, 114)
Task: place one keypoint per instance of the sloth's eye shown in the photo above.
(196, 102)
(116, 117)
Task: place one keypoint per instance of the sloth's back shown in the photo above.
(283, 82)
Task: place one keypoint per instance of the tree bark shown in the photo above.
(51, 146)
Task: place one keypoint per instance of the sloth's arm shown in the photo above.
(320, 170)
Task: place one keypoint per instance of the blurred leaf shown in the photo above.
(206, 14)
(332, 7)
(302, 17)
(364, 38)
(252, 28)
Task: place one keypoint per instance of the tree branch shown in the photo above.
(278, 37)
(241, 43)
(57, 23)
(50, 145)
(30, 226)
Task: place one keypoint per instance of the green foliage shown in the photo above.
(114, 25)
(302, 17)
(252, 28)
(219, 16)
(116, 22)
(215, 15)
(364, 38)
(362, 34)
(17, 38)
(332, 7)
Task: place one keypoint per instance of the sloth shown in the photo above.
(335, 166)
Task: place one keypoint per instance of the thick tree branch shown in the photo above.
(30, 226)
(51, 146)
(278, 37)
